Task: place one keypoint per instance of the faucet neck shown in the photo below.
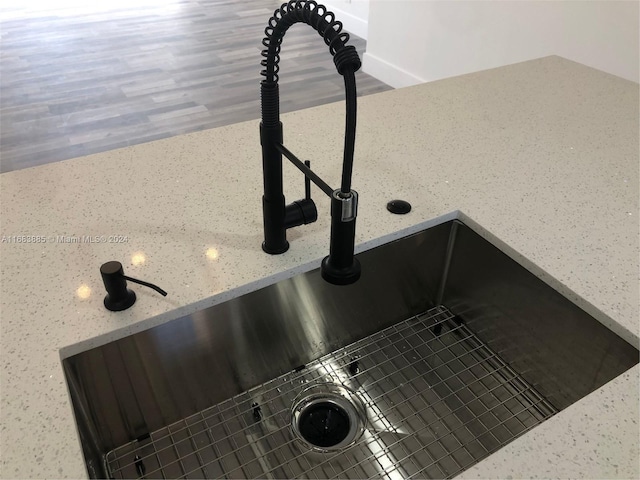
(345, 58)
(319, 18)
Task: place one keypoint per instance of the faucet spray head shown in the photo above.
(341, 267)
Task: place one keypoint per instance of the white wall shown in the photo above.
(354, 14)
(412, 42)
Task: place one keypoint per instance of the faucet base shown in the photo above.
(340, 276)
(275, 251)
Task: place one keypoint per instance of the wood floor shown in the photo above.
(77, 80)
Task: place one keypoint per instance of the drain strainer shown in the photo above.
(328, 417)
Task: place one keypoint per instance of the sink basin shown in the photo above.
(443, 352)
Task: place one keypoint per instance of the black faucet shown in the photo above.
(340, 267)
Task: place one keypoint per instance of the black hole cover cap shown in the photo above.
(399, 207)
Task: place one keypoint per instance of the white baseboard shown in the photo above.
(352, 24)
(388, 73)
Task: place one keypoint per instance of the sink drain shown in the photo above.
(328, 417)
(324, 424)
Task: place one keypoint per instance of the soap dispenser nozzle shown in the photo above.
(119, 297)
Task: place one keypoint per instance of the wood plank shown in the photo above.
(80, 79)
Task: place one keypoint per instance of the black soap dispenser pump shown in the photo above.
(119, 297)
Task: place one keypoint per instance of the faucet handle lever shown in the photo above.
(307, 182)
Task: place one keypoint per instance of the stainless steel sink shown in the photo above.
(443, 352)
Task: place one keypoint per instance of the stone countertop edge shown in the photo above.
(539, 157)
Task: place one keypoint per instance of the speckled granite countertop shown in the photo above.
(543, 155)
